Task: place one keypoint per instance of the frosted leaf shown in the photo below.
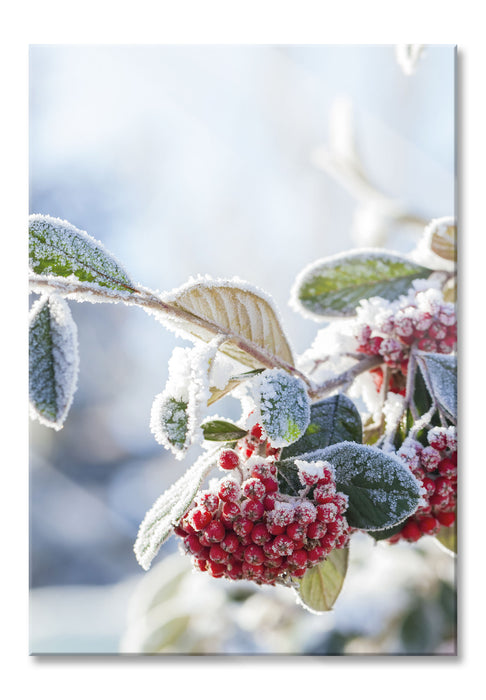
(178, 411)
(283, 406)
(168, 509)
(57, 248)
(320, 586)
(440, 375)
(332, 420)
(334, 286)
(382, 491)
(53, 360)
(234, 308)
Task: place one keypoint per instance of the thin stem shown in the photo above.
(346, 378)
(149, 300)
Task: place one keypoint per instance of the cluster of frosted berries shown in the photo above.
(435, 466)
(424, 320)
(243, 527)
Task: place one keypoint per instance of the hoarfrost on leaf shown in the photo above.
(53, 360)
(334, 286)
(169, 508)
(283, 406)
(178, 411)
(57, 248)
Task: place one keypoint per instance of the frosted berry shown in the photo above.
(435, 466)
(228, 459)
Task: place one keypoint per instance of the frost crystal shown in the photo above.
(53, 360)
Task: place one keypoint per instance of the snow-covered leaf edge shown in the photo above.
(168, 509)
(319, 588)
(53, 360)
(335, 285)
(59, 249)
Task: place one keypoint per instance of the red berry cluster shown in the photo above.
(428, 324)
(243, 527)
(435, 466)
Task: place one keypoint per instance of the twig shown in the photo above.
(346, 378)
(147, 299)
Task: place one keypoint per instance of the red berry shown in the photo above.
(252, 509)
(260, 534)
(254, 554)
(428, 524)
(228, 459)
(316, 530)
(298, 558)
(230, 511)
(446, 519)
(199, 518)
(316, 554)
(283, 545)
(271, 485)
(216, 569)
(242, 526)
(193, 544)
(218, 554)
(229, 490)
(215, 531)
(411, 531)
(253, 488)
(230, 543)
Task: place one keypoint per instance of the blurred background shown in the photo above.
(247, 161)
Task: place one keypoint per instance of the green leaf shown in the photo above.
(288, 477)
(169, 508)
(58, 248)
(440, 375)
(332, 420)
(382, 492)
(335, 286)
(222, 431)
(284, 406)
(53, 360)
(320, 586)
(447, 536)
